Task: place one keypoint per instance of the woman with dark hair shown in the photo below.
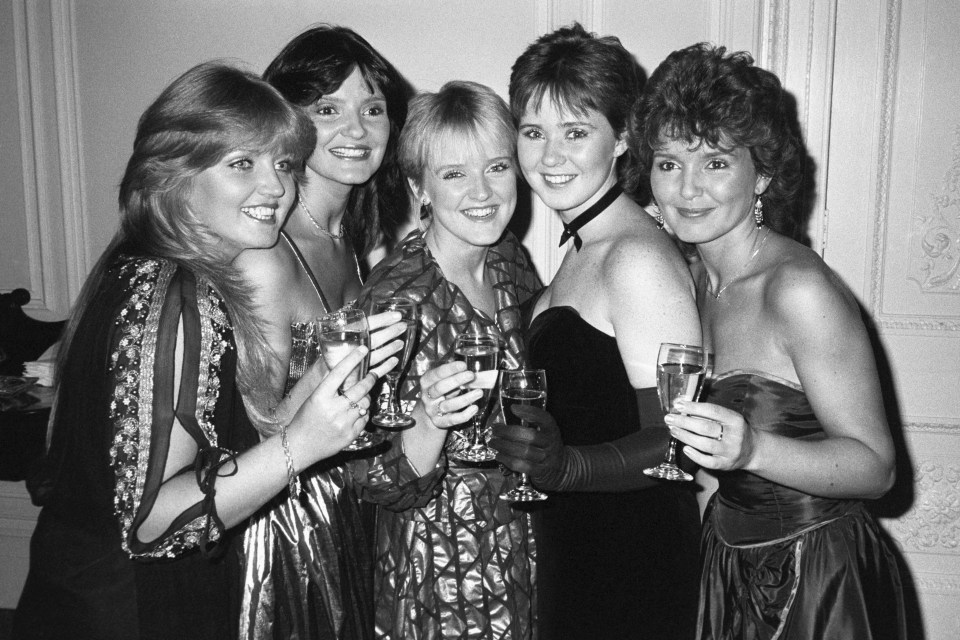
(309, 563)
(152, 461)
(617, 555)
(794, 423)
(462, 564)
(336, 75)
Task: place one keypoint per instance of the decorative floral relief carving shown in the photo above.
(933, 524)
(935, 263)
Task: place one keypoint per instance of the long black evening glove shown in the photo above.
(611, 466)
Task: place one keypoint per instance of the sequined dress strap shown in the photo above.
(303, 342)
(306, 269)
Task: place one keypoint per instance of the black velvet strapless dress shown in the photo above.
(610, 565)
(780, 563)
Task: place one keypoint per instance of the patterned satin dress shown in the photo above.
(780, 563)
(463, 565)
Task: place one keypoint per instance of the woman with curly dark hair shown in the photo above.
(794, 423)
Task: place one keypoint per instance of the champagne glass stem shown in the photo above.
(672, 452)
(524, 482)
(393, 406)
(476, 439)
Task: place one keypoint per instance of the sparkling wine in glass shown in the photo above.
(480, 352)
(681, 369)
(527, 387)
(339, 333)
(393, 416)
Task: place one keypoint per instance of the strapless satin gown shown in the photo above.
(611, 565)
(780, 563)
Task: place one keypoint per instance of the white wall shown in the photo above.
(875, 82)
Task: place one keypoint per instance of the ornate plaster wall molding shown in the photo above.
(890, 70)
(935, 246)
(946, 428)
(933, 524)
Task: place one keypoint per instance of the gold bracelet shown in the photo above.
(293, 480)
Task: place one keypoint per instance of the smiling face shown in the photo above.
(704, 192)
(352, 132)
(472, 187)
(568, 159)
(243, 199)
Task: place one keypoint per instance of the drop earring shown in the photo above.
(758, 212)
(655, 210)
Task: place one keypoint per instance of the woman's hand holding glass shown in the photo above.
(717, 438)
(344, 331)
(538, 452)
(327, 419)
(443, 400)
(481, 353)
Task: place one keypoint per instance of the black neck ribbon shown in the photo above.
(598, 207)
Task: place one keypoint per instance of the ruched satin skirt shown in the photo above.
(835, 579)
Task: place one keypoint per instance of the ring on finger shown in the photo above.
(440, 412)
(719, 436)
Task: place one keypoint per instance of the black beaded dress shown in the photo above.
(780, 563)
(90, 576)
(611, 564)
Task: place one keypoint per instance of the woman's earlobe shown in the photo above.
(762, 183)
(621, 146)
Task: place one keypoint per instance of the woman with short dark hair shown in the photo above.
(617, 555)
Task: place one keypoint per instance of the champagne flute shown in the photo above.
(480, 352)
(339, 333)
(708, 360)
(680, 372)
(526, 387)
(393, 416)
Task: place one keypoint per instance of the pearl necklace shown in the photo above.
(303, 205)
(756, 252)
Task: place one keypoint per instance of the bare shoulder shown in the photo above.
(801, 288)
(644, 255)
(268, 268)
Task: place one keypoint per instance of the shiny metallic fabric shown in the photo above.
(464, 565)
(308, 568)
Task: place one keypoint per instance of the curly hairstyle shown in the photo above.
(201, 116)
(315, 64)
(580, 71)
(469, 111)
(704, 94)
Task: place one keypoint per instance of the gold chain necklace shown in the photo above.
(303, 205)
(756, 252)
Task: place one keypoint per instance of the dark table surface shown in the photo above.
(23, 435)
